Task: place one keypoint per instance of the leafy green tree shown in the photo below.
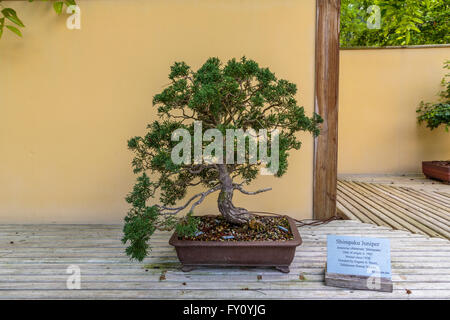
(237, 95)
(407, 22)
(436, 114)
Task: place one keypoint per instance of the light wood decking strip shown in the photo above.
(34, 267)
(408, 203)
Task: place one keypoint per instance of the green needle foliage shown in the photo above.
(435, 114)
(237, 95)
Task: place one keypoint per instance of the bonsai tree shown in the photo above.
(237, 95)
(435, 114)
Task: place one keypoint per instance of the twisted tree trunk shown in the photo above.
(231, 213)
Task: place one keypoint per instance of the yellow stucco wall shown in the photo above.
(69, 100)
(379, 92)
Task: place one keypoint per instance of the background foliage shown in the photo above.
(10, 20)
(406, 22)
(435, 114)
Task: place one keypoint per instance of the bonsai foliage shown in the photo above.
(235, 95)
(435, 114)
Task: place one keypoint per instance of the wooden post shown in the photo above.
(326, 104)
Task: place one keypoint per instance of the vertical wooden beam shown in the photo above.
(326, 104)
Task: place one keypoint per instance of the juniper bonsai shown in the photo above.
(235, 95)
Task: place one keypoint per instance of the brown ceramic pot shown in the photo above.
(278, 254)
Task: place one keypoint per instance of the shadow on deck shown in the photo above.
(410, 203)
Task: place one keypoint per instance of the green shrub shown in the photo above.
(436, 114)
(406, 22)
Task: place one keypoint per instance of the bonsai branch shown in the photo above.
(196, 169)
(239, 187)
(173, 211)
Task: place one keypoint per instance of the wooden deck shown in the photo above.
(410, 203)
(34, 261)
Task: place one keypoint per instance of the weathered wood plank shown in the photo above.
(415, 204)
(171, 276)
(304, 250)
(435, 196)
(223, 294)
(429, 200)
(413, 219)
(397, 222)
(18, 239)
(395, 202)
(211, 274)
(346, 196)
(410, 198)
(36, 268)
(345, 206)
(172, 258)
(292, 285)
(343, 212)
(447, 195)
(326, 104)
(418, 182)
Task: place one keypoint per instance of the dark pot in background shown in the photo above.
(278, 254)
(439, 170)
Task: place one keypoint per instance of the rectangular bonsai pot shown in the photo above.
(278, 254)
(439, 170)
